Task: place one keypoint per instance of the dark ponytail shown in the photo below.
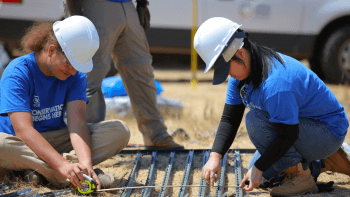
(260, 62)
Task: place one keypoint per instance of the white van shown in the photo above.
(318, 30)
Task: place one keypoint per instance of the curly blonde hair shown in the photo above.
(38, 37)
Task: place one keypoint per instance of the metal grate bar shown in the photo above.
(133, 175)
(151, 174)
(3, 188)
(63, 192)
(202, 189)
(27, 192)
(238, 173)
(167, 174)
(221, 181)
(19, 193)
(180, 152)
(186, 173)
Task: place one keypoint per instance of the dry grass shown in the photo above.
(200, 118)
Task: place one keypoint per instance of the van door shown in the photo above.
(275, 23)
(51, 10)
(283, 16)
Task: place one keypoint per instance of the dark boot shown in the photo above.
(31, 176)
(167, 143)
(106, 180)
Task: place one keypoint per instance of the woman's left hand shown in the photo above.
(254, 176)
(92, 174)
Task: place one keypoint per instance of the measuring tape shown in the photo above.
(90, 187)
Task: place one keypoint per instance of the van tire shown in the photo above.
(331, 57)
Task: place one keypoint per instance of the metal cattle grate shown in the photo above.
(187, 172)
(152, 170)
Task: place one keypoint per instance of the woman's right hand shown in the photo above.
(73, 171)
(211, 168)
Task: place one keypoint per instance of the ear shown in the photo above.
(240, 53)
(51, 50)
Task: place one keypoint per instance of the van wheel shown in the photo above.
(335, 56)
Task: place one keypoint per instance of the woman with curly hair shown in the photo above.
(37, 90)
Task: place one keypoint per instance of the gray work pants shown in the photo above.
(123, 38)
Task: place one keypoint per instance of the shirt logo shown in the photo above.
(36, 101)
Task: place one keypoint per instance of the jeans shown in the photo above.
(315, 142)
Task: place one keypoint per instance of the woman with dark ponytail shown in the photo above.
(294, 119)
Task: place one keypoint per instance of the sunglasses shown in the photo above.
(65, 60)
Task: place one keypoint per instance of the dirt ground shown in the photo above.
(199, 118)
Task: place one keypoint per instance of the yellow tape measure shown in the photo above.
(89, 186)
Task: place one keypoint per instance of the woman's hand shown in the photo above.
(91, 173)
(211, 168)
(73, 171)
(254, 175)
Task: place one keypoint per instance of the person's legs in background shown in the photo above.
(120, 31)
(109, 20)
(133, 60)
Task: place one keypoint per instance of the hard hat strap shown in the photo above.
(54, 36)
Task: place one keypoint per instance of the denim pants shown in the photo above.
(315, 142)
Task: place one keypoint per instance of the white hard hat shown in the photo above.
(212, 38)
(79, 41)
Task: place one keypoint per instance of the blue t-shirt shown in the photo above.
(291, 92)
(120, 1)
(24, 87)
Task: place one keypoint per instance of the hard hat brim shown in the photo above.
(221, 71)
(80, 66)
(210, 64)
